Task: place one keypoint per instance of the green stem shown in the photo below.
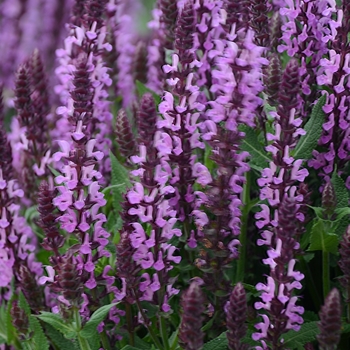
(164, 333)
(84, 344)
(150, 330)
(129, 323)
(315, 296)
(325, 274)
(105, 341)
(244, 229)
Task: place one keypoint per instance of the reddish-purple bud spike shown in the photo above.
(146, 120)
(329, 200)
(272, 79)
(192, 302)
(344, 262)
(82, 94)
(30, 288)
(53, 240)
(78, 12)
(236, 313)
(19, 319)
(140, 62)
(95, 11)
(168, 18)
(290, 86)
(69, 281)
(330, 321)
(259, 21)
(5, 148)
(275, 30)
(124, 135)
(185, 29)
(23, 102)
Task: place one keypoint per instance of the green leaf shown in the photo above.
(96, 318)
(8, 325)
(2, 340)
(120, 181)
(341, 192)
(308, 142)
(219, 343)
(58, 339)
(54, 171)
(250, 143)
(129, 347)
(306, 334)
(94, 340)
(320, 240)
(23, 304)
(58, 323)
(142, 89)
(39, 337)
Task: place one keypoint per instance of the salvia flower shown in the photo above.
(147, 199)
(330, 321)
(236, 314)
(190, 334)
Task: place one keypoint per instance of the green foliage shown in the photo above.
(341, 192)
(296, 340)
(58, 323)
(58, 339)
(250, 143)
(39, 338)
(313, 128)
(142, 89)
(219, 343)
(96, 318)
(120, 181)
(322, 240)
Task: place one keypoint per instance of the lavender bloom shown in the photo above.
(236, 314)
(179, 135)
(330, 321)
(278, 218)
(17, 241)
(190, 334)
(148, 203)
(83, 49)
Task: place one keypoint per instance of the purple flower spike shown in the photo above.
(190, 334)
(236, 314)
(330, 321)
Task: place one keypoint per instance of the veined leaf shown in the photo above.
(321, 240)
(120, 181)
(308, 142)
(219, 343)
(297, 340)
(58, 339)
(341, 192)
(142, 89)
(96, 318)
(250, 143)
(39, 337)
(58, 323)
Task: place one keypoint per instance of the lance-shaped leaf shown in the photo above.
(96, 318)
(322, 240)
(313, 128)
